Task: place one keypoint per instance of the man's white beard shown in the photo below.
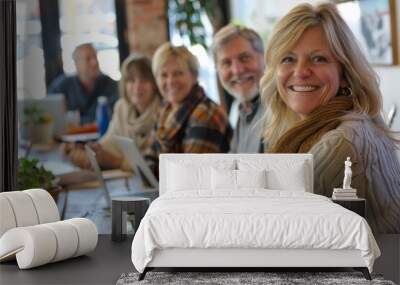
(248, 97)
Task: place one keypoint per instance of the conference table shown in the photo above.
(73, 178)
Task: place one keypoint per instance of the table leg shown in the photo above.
(127, 184)
(117, 221)
(65, 204)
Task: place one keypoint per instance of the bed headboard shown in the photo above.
(280, 162)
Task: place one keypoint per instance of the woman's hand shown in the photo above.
(76, 153)
(65, 148)
(79, 157)
(105, 159)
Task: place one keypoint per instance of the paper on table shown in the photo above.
(80, 137)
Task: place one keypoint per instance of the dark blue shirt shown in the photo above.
(77, 98)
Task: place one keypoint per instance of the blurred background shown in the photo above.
(49, 30)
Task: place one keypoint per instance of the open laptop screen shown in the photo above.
(53, 105)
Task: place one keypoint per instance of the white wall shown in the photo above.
(390, 80)
(390, 87)
(30, 60)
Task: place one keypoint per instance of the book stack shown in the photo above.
(344, 194)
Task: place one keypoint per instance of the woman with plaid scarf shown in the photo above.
(189, 121)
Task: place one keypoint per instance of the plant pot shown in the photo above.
(39, 133)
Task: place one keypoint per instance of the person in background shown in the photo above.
(239, 57)
(82, 89)
(324, 99)
(189, 121)
(135, 114)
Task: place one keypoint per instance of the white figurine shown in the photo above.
(347, 174)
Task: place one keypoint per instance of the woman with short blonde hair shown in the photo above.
(323, 98)
(167, 51)
(189, 121)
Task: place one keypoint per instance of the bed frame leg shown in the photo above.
(143, 274)
(364, 271)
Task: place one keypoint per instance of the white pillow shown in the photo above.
(193, 174)
(223, 179)
(226, 179)
(251, 178)
(281, 174)
(182, 178)
(293, 178)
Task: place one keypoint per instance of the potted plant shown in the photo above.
(37, 125)
(32, 175)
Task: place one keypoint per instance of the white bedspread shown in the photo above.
(250, 219)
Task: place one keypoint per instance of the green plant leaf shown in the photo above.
(188, 19)
(32, 175)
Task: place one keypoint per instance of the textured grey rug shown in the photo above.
(229, 278)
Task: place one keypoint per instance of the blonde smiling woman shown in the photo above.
(189, 121)
(324, 99)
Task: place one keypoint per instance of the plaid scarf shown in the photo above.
(198, 125)
(171, 129)
(303, 135)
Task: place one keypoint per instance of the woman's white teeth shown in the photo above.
(303, 88)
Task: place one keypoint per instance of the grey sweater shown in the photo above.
(247, 136)
(376, 170)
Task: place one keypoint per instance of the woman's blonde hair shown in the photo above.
(167, 51)
(135, 65)
(356, 71)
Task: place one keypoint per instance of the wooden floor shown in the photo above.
(389, 263)
(102, 266)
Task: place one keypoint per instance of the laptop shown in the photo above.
(53, 104)
(135, 159)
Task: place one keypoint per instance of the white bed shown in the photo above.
(247, 210)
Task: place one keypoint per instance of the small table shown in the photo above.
(121, 207)
(356, 205)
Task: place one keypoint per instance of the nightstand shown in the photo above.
(358, 205)
(121, 207)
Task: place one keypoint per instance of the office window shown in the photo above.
(94, 21)
(30, 60)
(207, 74)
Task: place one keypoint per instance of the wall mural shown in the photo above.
(373, 24)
